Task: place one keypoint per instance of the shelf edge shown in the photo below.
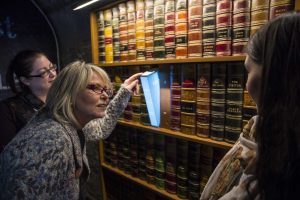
(139, 181)
(177, 134)
(176, 61)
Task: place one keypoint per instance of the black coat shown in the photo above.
(15, 112)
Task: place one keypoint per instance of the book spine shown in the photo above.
(241, 27)
(159, 30)
(188, 99)
(182, 168)
(218, 101)
(194, 170)
(181, 19)
(175, 97)
(170, 29)
(195, 29)
(123, 28)
(234, 101)
(259, 14)
(209, 28)
(108, 34)
(131, 27)
(223, 28)
(116, 34)
(171, 163)
(203, 100)
(142, 153)
(140, 30)
(101, 37)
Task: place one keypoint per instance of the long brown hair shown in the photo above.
(276, 47)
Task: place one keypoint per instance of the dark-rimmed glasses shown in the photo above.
(99, 90)
(46, 72)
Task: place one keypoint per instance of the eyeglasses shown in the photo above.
(46, 72)
(99, 90)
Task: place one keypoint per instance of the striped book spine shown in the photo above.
(209, 28)
(218, 91)
(123, 29)
(181, 20)
(234, 101)
(116, 34)
(108, 34)
(101, 38)
(203, 99)
(140, 30)
(195, 28)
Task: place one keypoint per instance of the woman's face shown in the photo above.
(253, 84)
(89, 104)
(42, 76)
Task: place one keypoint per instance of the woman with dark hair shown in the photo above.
(265, 162)
(29, 75)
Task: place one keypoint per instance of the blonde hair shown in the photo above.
(72, 80)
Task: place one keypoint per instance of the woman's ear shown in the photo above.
(24, 80)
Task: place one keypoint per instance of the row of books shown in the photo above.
(210, 100)
(177, 166)
(207, 100)
(168, 29)
(118, 187)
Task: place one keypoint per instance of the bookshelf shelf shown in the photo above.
(177, 134)
(139, 181)
(165, 66)
(177, 61)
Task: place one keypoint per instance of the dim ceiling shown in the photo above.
(50, 6)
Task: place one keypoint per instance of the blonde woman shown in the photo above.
(47, 159)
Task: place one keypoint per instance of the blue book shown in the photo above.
(151, 88)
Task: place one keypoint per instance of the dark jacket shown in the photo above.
(15, 113)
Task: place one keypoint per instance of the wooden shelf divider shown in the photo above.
(140, 181)
(177, 134)
(174, 61)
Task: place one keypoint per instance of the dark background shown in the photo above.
(47, 25)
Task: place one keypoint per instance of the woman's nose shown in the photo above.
(52, 73)
(104, 95)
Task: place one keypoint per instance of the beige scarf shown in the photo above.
(230, 178)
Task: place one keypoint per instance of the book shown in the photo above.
(151, 88)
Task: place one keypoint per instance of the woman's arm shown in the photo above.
(102, 127)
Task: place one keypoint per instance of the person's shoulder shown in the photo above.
(37, 142)
(7, 104)
(249, 129)
(42, 125)
(46, 133)
(10, 101)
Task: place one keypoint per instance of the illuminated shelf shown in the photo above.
(141, 182)
(177, 134)
(174, 61)
(251, 107)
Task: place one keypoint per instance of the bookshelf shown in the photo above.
(177, 134)
(161, 130)
(141, 182)
(177, 61)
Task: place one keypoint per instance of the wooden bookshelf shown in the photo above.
(141, 182)
(177, 134)
(177, 61)
(297, 5)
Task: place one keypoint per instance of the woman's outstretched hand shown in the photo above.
(132, 82)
